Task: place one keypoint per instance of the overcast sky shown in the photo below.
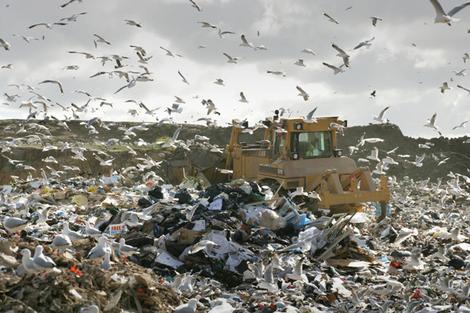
(408, 61)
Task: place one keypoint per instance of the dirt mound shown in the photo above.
(31, 152)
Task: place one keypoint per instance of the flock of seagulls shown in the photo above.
(136, 70)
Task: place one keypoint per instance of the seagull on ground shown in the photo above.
(14, 224)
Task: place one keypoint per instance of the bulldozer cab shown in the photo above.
(284, 139)
(303, 153)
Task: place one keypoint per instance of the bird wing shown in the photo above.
(339, 49)
(310, 114)
(457, 9)
(67, 3)
(242, 95)
(361, 44)
(244, 39)
(330, 18)
(143, 106)
(184, 78)
(381, 114)
(461, 87)
(330, 66)
(195, 5)
(228, 56)
(438, 8)
(433, 118)
(53, 82)
(301, 90)
(121, 88)
(38, 24)
(167, 51)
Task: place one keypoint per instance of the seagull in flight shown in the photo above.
(300, 62)
(342, 54)
(86, 54)
(444, 87)
(207, 25)
(277, 73)
(231, 59)
(330, 18)
(461, 125)
(224, 32)
(53, 82)
(219, 81)
(308, 51)
(131, 84)
(133, 23)
(375, 20)
(169, 53)
(310, 117)
(47, 25)
(336, 69)
(195, 5)
(380, 118)
(72, 18)
(465, 57)
(100, 39)
(243, 98)
(183, 78)
(460, 73)
(5, 45)
(442, 16)
(463, 88)
(69, 2)
(431, 123)
(365, 43)
(245, 42)
(302, 93)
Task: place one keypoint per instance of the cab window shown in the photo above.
(312, 144)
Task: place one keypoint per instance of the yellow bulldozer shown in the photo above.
(303, 153)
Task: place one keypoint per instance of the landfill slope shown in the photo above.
(455, 148)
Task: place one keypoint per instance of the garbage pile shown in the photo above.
(97, 245)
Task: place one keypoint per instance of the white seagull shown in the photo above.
(380, 118)
(245, 42)
(242, 97)
(342, 54)
(442, 16)
(302, 93)
(336, 69)
(4, 44)
(330, 18)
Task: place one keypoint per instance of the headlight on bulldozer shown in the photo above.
(280, 171)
